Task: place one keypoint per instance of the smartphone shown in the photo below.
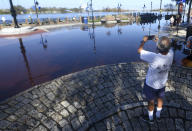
(151, 37)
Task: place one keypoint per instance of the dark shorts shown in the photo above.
(152, 94)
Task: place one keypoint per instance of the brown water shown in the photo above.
(42, 57)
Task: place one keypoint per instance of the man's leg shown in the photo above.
(150, 109)
(149, 94)
(159, 107)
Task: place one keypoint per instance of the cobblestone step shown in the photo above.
(101, 98)
(132, 120)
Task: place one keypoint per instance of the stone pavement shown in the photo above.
(98, 99)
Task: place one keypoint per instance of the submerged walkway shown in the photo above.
(98, 99)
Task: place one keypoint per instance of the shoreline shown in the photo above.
(30, 30)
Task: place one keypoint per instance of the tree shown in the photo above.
(169, 7)
(19, 9)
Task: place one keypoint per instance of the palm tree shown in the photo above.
(13, 13)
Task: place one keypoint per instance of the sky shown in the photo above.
(97, 4)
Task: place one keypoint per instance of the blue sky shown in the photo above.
(97, 4)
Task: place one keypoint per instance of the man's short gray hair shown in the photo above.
(163, 44)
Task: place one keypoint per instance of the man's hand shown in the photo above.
(145, 38)
(156, 39)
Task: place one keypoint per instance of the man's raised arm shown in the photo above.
(145, 38)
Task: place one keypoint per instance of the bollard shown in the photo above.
(49, 20)
(12, 24)
(38, 22)
(58, 20)
(80, 19)
(26, 21)
(74, 19)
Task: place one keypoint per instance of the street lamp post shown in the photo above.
(13, 13)
(160, 6)
(144, 8)
(88, 9)
(92, 12)
(151, 6)
(36, 3)
(119, 8)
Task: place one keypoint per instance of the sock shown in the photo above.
(158, 112)
(150, 115)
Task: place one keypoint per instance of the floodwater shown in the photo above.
(35, 59)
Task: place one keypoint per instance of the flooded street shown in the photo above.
(35, 59)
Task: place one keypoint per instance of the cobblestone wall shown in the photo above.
(99, 98)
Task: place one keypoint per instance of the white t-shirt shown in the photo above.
(172, 20)
(3, 19)
(159, 66)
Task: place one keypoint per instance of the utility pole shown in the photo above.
(151, 6)
(14, 14)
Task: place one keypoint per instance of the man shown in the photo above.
(3, 20)
(159, 65)
(172, 21)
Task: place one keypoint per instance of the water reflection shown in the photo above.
(23, 51)
(158, 27)
(43, 41)
(108, 33)
(143, 27)
(66, 54)
(92, 37)
(150, 29)
(119, 30)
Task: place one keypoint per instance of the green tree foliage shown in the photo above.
(6, 11)
(169, 7)
(19, 9)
